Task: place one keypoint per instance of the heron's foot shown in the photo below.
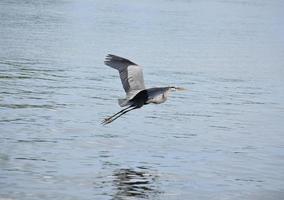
(107, 121)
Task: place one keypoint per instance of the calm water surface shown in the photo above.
(222, 139)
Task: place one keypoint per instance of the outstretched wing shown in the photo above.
(131, 74)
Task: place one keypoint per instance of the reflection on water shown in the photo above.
(134, 183)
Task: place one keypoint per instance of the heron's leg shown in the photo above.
(117, 115)
(109, 118)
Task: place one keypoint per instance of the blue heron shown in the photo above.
(131, 76)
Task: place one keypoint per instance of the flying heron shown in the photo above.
(131, 76)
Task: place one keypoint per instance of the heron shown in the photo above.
(131, 76)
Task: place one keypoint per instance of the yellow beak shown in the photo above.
(181, 89)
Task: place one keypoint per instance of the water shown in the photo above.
(222, 139)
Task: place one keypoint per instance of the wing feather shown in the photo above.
(131, 74)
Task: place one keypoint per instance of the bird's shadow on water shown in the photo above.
(135, 183)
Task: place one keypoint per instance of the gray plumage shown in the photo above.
(131, 76)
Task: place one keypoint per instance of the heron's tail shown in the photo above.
(123, 102)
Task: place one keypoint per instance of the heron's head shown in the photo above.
(174, 88)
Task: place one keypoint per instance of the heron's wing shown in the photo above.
(131, 74)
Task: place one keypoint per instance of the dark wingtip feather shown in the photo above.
(113, 58)
(108, 59)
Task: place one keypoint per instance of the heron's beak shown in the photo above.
(180, 89)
